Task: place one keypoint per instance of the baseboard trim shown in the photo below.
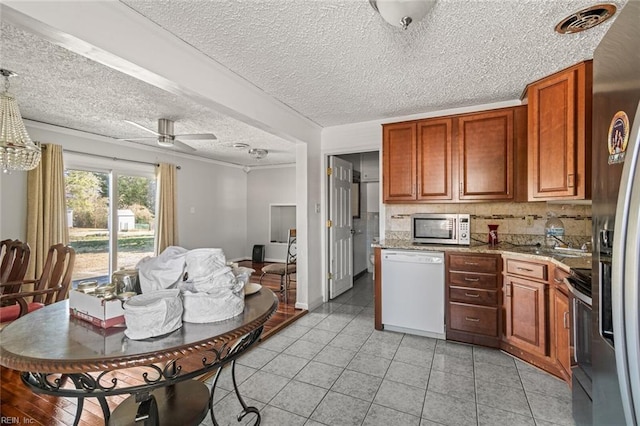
(360, 274)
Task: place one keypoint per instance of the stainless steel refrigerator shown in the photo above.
(616, 222)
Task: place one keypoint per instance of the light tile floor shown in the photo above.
(332, 368)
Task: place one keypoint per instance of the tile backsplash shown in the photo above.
(518, 223)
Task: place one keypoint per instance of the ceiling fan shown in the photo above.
(167, 138)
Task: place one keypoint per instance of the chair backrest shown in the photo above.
(15, 260)
(292, 248)
(57, 271)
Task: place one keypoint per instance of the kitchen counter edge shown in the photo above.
(564, 263)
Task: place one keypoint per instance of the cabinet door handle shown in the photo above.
(570, 180)
(472, 295)
(565, 320)
(520, 268)
(471, 263)
(507, 291)
(472, 319)
(473, 280)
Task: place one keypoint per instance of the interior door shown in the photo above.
(340, 226)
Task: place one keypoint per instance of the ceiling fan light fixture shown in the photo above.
(17, 150)
(165, 141)
(258, 153)
(401, 13)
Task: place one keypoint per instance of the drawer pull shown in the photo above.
(471, 295)
(472, 319)
(471, 263)
(472, 279)
(520, 268)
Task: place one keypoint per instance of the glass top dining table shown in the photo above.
(50, 346)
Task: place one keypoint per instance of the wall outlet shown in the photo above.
(529, 221)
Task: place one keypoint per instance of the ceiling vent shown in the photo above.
(586, 18)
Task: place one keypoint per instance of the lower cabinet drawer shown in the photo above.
(464, 279)
(474, 319)
(471, 263)
(473, 296)
(537, 271)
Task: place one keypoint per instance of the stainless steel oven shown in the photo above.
(579, 283)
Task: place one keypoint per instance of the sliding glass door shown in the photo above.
(111, 217)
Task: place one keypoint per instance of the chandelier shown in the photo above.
(17, 150)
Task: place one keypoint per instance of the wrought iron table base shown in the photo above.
(147, 412)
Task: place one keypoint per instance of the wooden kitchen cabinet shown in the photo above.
(486, 155)
(559, 151)
(525, 305)
(472, 298)
(435, 159)
(466, 157)
(399, 161)
(525, 314)
(561, 333)
(536, 322)
(562, 330)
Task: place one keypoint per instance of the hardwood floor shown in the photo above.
(21, 406)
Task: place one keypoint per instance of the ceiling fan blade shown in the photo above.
(183, 146)
(198, 137)
(137, 139)
(140, 126)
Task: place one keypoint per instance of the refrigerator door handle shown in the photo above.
(624, 277)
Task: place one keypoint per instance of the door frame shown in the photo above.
(323, 208)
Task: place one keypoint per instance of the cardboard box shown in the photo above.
(99, 312)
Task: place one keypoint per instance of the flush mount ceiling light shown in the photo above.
(401, 13)
(17, 150)
(586, 18)
(258, 153)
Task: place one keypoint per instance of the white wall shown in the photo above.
(215, 193)
(13, 205)
(265, 187)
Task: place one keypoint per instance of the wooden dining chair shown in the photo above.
(284, 270)
(52, 286)
(13, 266)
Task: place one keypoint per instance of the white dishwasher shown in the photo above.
(413, 292)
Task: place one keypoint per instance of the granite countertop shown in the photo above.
(563, 260)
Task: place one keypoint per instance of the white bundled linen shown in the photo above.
(163, 271)
(153, 314)
(211, 290)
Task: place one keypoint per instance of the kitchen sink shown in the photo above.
(570, 252)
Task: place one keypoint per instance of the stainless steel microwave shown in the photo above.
(441, 228)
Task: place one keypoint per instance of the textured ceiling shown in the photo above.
(333, 61)
(338, 62)
(58, 87)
